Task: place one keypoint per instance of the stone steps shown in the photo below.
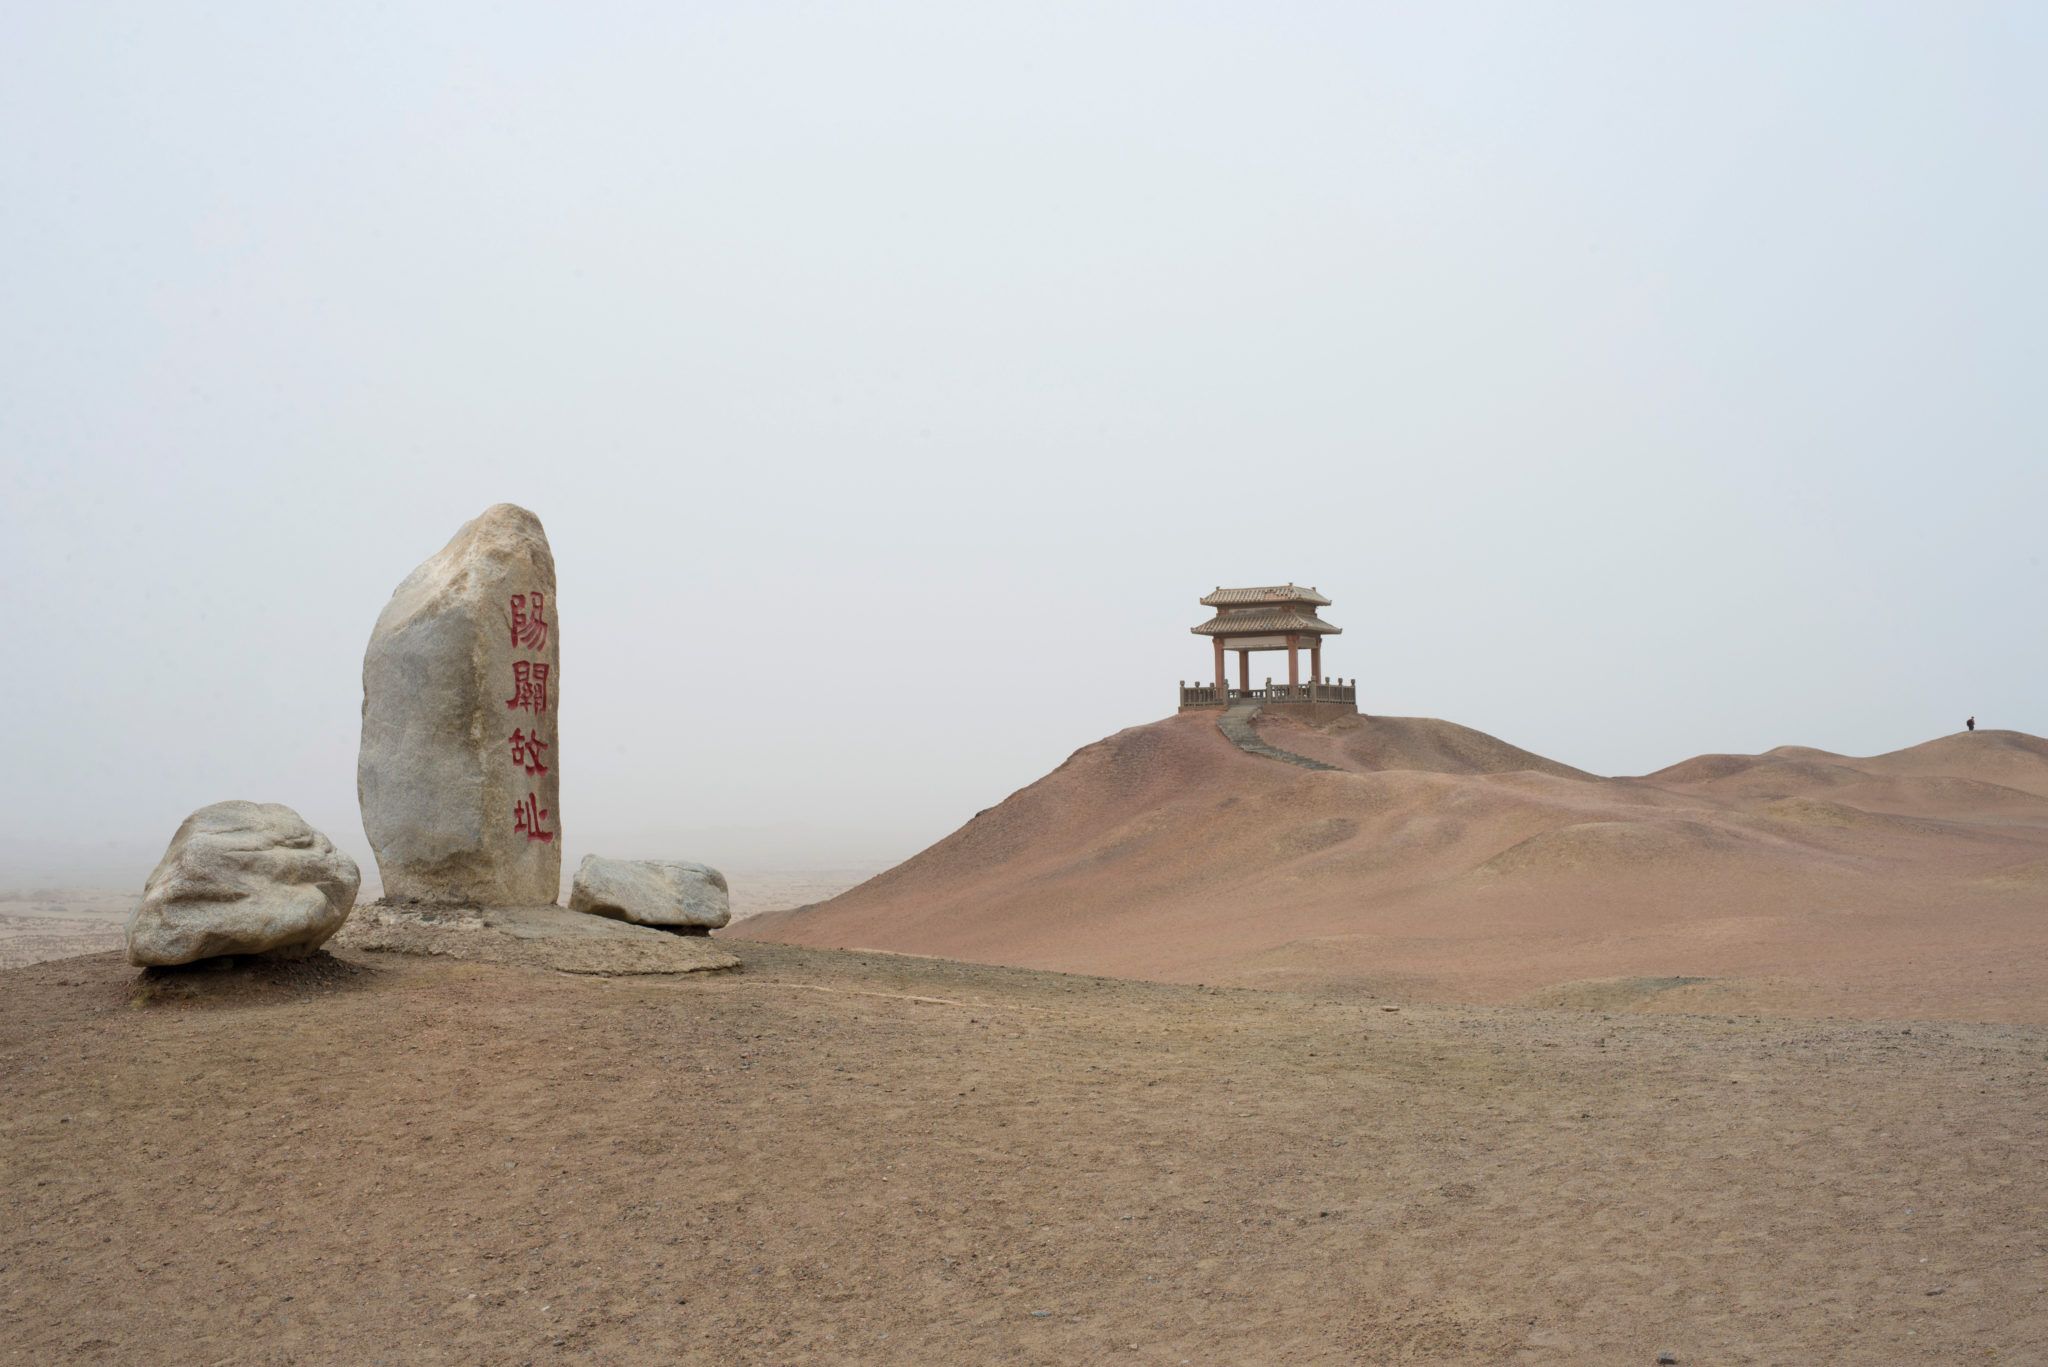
(1236, 723)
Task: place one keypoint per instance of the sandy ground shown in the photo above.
(1438, 863)
(56, 923)
(837, 1158)
(755, 891)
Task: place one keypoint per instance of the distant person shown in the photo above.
(1970, 725)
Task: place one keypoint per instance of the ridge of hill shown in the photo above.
(1437, 862)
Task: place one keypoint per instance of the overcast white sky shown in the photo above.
(1640, 380)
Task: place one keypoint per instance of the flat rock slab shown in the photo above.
(533, 937)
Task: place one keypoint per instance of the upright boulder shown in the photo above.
(670, 893)
(459, 767)
(242, 878)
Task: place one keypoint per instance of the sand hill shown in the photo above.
(1437, 862)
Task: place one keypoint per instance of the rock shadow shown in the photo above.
(238, 980)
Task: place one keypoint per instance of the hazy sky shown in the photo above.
(1639, 380)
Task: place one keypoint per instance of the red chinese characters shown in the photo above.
(529, 818)
(529, 687)
(526, 752)
(529, 628)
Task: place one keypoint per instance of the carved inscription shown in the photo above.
(529, 694)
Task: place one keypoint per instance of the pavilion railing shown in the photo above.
(1206, 695)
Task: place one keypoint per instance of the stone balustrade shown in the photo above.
(1207, 695)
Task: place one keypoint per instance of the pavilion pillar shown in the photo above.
(1244, 671)
(1293, 662)
(1222, 682)
(1315, 669)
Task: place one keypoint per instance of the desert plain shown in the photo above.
(1449, 1053)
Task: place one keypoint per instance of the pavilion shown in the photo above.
(1269, 617)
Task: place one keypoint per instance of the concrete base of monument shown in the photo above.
(535, 937)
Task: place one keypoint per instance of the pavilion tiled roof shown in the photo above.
(1271, 593)
(1267, 622)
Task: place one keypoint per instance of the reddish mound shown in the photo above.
(1439, 861)
(1438, 747)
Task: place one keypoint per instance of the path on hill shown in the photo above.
(1236, 723)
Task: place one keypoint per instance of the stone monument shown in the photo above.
(459, 769)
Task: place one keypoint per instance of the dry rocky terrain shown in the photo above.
(1745, 1061)
(56, 923)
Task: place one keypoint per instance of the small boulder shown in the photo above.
(652, 892)
(242, 878)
